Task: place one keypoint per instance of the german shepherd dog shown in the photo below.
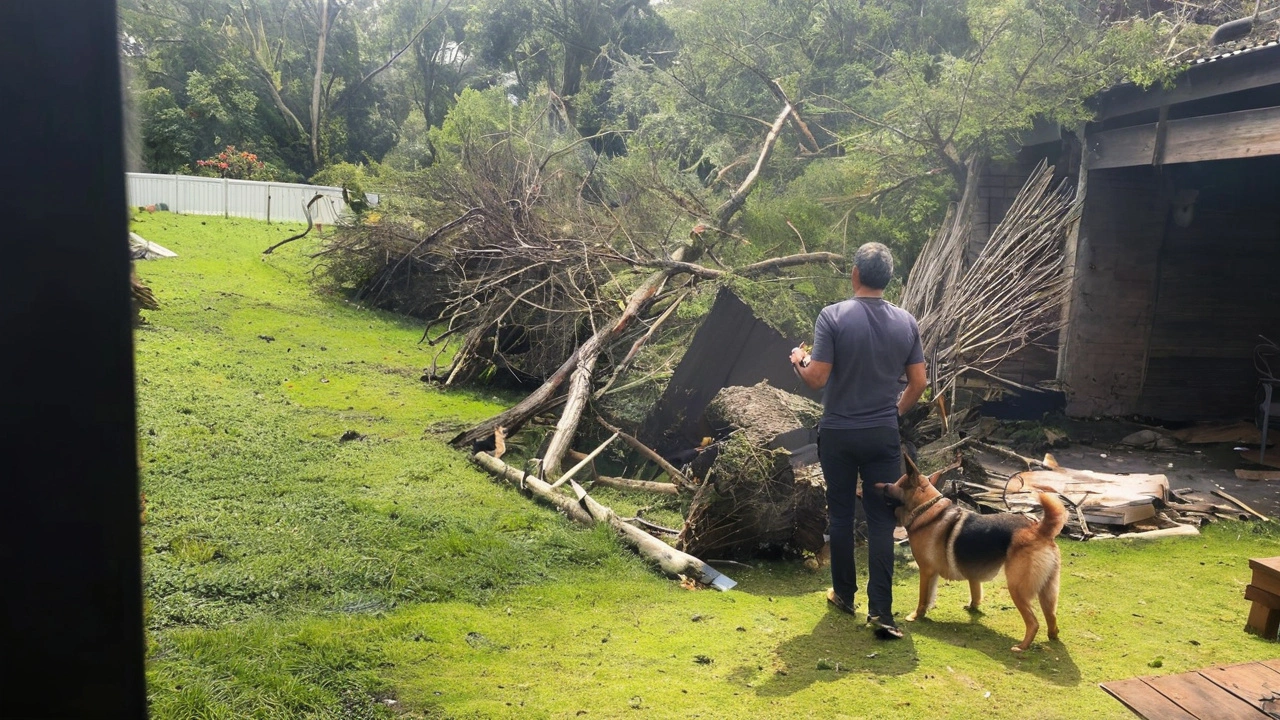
(957, 544)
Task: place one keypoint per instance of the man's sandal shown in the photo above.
(834, 601)
(885, 627)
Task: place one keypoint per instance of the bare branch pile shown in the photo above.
(973, 319)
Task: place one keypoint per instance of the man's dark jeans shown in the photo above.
(873, 453)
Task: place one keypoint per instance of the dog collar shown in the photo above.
(920, 511)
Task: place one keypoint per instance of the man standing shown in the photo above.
(863, 348)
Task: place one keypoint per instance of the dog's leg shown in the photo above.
(975, 596)
(1049, 604)
(1022, 598)
(928, 594)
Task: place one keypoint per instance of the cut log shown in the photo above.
(587, 511)
(759, 494)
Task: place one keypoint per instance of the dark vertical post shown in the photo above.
(70, 598)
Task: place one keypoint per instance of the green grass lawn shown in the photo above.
(289, 574)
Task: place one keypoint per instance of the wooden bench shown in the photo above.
(1264, 591)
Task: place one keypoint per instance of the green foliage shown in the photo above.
(479, 119)
(168, 132)
(356, 178)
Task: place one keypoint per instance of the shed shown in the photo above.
(1175, 263)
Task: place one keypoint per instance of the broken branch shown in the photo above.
(582, 463)
(660, 488)
(676, 476)
(306, 210)
(1244, 507)
(672, 561)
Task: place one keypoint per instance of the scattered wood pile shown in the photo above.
(1101, 505)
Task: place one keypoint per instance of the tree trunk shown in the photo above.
(317, 84)
(587, 511)
(567, 425)
(726, 211)
(758, 493)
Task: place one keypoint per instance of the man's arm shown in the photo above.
(916, 382)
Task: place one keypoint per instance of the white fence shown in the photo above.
(270, 201)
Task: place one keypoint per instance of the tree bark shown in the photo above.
(676, 476)
(317, 83)
(567, 425)
(807, 140)
(726, 211)
(256, 43)
(531, 485)
(672, 561)
(660, 488)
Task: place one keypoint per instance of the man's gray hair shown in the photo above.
(875, 265)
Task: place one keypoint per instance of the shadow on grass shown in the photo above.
(837, 646)
(1047, 659)
(787, 576)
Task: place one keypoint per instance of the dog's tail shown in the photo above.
(1055, 515)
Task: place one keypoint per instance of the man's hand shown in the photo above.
(811, 372)
(916, 383)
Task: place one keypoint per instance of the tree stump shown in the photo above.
(765, 489)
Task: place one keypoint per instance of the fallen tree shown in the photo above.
(515, 279)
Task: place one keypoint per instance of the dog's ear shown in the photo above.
(911, 465)
(913, 475)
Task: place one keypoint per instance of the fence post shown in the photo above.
(226, 198)
(176, 189)
(268, 203)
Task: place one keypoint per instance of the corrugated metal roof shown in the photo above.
(1237, 48)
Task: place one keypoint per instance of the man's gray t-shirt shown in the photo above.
(869, 342)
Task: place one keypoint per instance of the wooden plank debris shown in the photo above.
(1244, 507)
(1238, 692)
(1240, 433)
(1258, 474)
(1254, 683)
(1204, 699)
